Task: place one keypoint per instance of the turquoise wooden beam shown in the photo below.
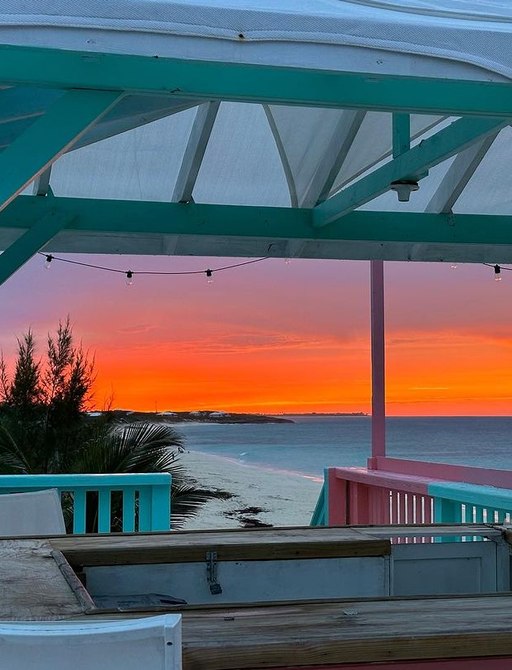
(272, 223)
(457, 137)
(48, 137)
(401, 134)
(18, 253)
(33, 152)
(252, 83)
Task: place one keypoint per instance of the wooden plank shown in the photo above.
(248, 545)
(347, 632)
(33, 584)
(435, 530)
(459, 664)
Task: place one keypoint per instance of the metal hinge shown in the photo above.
(211, 573)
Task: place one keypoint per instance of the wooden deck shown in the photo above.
(37, 583)
(313, 635)
(230, 545)
(461, 633)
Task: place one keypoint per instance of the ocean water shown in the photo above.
(311, 443)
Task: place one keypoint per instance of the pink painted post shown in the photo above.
(359, 503)
(337, 500)
(378, 363)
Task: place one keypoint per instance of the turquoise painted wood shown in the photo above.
(79, 511)
(48, 137)
(252, 83)
(401, 134)
(146, 497)
(457, 502)
(41, 144)
(473, 495)
(320, 515)
(415, 162)
(269, 223)
(18, 253)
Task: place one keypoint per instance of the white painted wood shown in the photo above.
(33, 513)
(325, 176)
(445, 568)
(458, 176)
(41, 184)
(153, 643)
(194, 153)
(247, 581)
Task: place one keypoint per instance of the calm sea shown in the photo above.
(312, 443)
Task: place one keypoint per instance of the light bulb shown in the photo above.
(497, 273)
(453, 266)
(48, 262)
(209, 276)
(287, 261)
(129, 278)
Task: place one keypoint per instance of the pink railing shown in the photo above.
(361, 496)
(393, 491)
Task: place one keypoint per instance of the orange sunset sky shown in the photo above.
(276, 337)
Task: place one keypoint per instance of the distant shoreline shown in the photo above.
(212, 416)
(198, 416)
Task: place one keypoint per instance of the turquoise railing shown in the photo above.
(145, 498)
(457, 502)
(319, 517)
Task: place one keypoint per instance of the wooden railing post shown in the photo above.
(160, 507)
(337, 513)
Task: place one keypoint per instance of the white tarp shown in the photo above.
(267, 154)
(363, 35)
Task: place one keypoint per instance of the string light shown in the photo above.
(130, 274)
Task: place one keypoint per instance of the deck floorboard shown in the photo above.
(33, 586)
(308, 634)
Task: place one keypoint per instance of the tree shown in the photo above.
(45, 428)
(43, 405)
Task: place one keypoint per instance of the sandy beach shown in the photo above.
(259, 496)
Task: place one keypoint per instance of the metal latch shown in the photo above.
(211, 573)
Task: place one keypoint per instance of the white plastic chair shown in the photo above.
(33, 513)
(153, 643)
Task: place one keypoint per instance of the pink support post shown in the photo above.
(378, 363)
(359, 503)
(337, 500)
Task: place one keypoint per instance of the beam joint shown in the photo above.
(457, 137)
(48, 138)
(18, 253)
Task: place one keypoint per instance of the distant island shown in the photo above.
(201, 416)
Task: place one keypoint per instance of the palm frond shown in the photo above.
(12, 458)
(136, 447)
(187, 500)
